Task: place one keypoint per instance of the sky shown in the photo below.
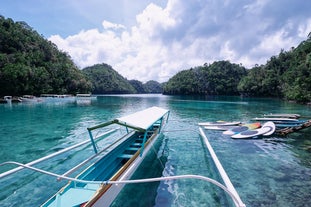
(155, 39)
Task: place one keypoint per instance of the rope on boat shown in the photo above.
(108, 182)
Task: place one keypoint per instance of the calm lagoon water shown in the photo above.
(274, 171)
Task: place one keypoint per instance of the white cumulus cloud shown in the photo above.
(185, 34)
(109, 25)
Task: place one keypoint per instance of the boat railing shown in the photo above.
(97, 138)
(238, 202)
(75, 168)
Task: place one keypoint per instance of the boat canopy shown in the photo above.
(143, 119)
(139, 121)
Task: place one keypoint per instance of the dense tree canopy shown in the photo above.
(184, 82)
(287, 75)
(153, 87)
(139, 86)
(29, 64)
(107, 81)
(284, 76)
(219, 78)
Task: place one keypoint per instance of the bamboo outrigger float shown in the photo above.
(288, 130)
(222, 172)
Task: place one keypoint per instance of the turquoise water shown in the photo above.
(274, 171)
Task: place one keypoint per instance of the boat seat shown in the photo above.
(136, 145)
(70, 198)
(139, 140)
(132, 148)
(126, 156)
(91, 186)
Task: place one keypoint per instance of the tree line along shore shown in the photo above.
(30, 64)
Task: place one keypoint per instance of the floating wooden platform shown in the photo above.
(289, 130)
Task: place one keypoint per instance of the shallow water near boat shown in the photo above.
(273, 171)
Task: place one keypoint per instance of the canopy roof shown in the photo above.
(143, 119)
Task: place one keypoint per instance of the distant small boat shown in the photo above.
(275, 119)
(84, 99)
(30, 98)
(219, 123)
(239, 129)
(219, 128)
(84, 95)
(291, 116)
(60, 96)
(285, 125)
(16, 99)
(6, 99)
(57, 98)
(266, 130)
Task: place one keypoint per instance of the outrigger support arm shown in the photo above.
(92, 141)
(97, 127)
(102, 125)
(144, 141)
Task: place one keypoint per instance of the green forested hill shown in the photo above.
(153, 87)
(219, 78)
(287, 76)
(106, 80)
(29, 64)
(139, 86)
(148, 87)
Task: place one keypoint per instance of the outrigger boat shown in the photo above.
(116, 162)
(101, 182)
(290, 116)
(119, 164)
(285, 120)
